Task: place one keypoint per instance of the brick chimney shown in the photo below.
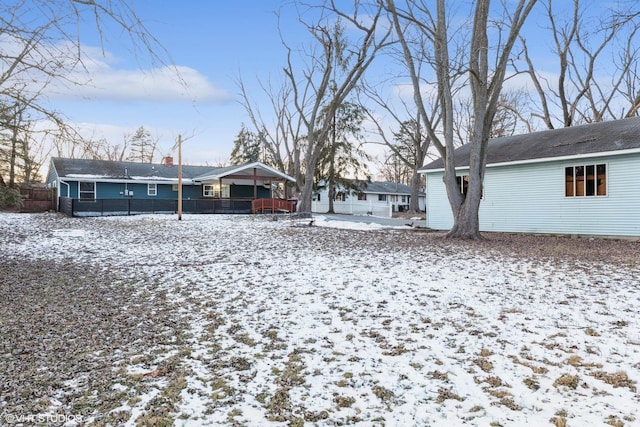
(167, 161)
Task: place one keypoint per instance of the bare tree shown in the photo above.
(406, 139)
(37, 52)
(510, 116)
(332, 72)
(588, 88)
(392, 169)
(281, 139)
(485, 74)
(18, 163)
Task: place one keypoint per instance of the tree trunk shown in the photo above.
(466, 223)
(332, 196)
(307, 192)
(414, 200)
(13, 155)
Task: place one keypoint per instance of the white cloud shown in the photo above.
(99, 78)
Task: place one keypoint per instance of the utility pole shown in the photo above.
(179, 177)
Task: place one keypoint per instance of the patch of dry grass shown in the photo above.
(567, 381)
(616, 379)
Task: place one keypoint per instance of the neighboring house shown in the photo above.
(579, 180)
(375, 198)
(100, 187)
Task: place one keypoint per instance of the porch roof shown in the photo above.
(244, 174)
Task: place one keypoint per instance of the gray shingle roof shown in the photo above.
(383, 187)
(575, 141)
(125, 170)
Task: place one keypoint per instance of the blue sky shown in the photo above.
(212, 43)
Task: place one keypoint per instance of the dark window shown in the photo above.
(87, 191)
(588, 180)
(463, 183)
(382, 197)
(362, 196)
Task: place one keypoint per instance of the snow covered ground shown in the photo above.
(274, 323)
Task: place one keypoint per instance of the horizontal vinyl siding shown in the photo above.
(622, 212)
(188, 192)
(113, 190)
(525, 198)
(439, 215)
(530, 198)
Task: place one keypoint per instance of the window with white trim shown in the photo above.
(382, 197)
(87, 191)
(362, 196)
(215, 190)
(585, 180)
(152, 189)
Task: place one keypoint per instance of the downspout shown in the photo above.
(58, 198)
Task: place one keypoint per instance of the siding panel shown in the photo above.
(530, 198)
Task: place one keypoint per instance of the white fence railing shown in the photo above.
(355, 207)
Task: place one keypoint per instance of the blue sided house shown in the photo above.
(580, 180)
(101, 187)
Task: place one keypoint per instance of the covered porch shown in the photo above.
(268, 188)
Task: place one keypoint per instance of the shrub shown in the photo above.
(10, 198)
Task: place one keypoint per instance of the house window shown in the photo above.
(87, 191)
(316, 197)
(340, 196)
(585, 181)
(152, 189)
(215, 190)
(463, 183)
(382, 197)
(362, 196)
(209, 191)
(404, 199)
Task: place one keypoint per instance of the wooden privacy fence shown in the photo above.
(36, 199)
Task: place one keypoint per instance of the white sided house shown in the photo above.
(376, 198)
(580, 180)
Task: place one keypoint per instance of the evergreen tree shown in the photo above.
(341, 158)
(246, 148)
(17, 164)
(142, 147)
